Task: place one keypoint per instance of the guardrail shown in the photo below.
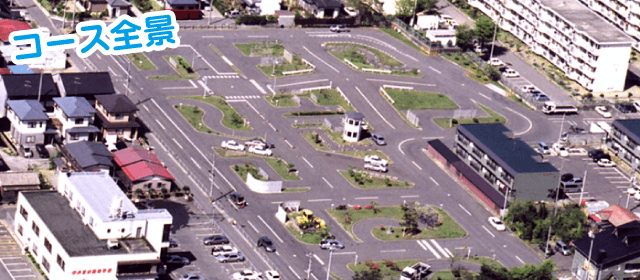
(351, 64)
(344, 96)
(397, 87)
(376, 70)
(285, 73)
(387, 95)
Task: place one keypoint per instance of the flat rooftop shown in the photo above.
(587, 21)
(66, 225)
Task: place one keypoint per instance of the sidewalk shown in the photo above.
(12, 260)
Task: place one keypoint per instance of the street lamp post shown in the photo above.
(592, 236)
(128, 76)
(329, 265)
(506, 197)
(584, 182)
(493, 42)
(309, 268)
(273, 73)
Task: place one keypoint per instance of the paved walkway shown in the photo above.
(13, 263)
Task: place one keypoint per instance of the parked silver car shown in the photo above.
(230, 257)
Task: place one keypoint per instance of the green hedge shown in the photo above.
(252, 20)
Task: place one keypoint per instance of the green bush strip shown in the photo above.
(231, 119)
(182, 67)
(282, 168)
(365, 181)
(260, 49)
(420, 100)
(306, 125)
(397, 35)
(359, 59)
(229, 153)
(194, 116)
(141, 61)
(294, 190)
(493, 118)
(282, 100)
(311, 137)
(242, 169)
(295, 64)
(313, 113)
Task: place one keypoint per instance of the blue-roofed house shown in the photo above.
(28, 122)
(73, 119)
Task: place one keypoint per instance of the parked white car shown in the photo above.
(603, 111)
(497, 223)
(260, 150)
(374, 159)
(232, 145)
(606, 163)
(272, 275)
(528, 88)
(496, 62)
(375, 167)
(510, 73)
(246, 275)
(219, 250)
(560, 150)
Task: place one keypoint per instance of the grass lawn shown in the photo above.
(373, 182)
(194, 116)
(420, 100)
(242, 169)
(331, 97)
(397, 35)
(519, 101)
(359, 59)
(282, 168)
(260, 49)
(308, 238)
(493, 118)
(310, 137)
(282, 100)
(141, 61)
(393, 212)
(296, 64)
(337, 137)
(306, 125)
(294, 190)
(183, 73)
(231, 119)
(229, 153)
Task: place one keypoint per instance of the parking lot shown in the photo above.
(13, 264)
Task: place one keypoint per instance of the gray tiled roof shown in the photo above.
(89, 154)
(119, 3)
(28, 110)
(116, 103)
(182, 2)
(74, 106)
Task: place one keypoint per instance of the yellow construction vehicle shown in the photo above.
(307, 220)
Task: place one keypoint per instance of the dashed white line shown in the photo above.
(325, 180)
(112, 72)
(409, 196)
(175, 141)
(366, 197)
(318, 58)
(448, 252)
(274, 129)
(520, 259)
(400, 82)
(488, 231)
(274, 233)
(439, 248)
(435, 70)
(487, 97)
(374, 108)
(254, 228)
(287, 141)
(319, 200)
(465, 210)
(393, 251)
(294, 273)
(318, 259)
(418, 166)
(305, 160)
(160, 124)
(344, 253)
(434, 181)
(259, 36)
(196, 163)
(314, 277)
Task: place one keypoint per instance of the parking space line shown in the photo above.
(418, 166)
(319, 200)
(409, 196)
(520, 259)
(400, 82)
(488, 231)
(439, 248)
(374, 108)
(487, 97)
(287, 141)
(255, 84)
(393, 251)
(425, 243)
(254, 228)
(305, 160)
(318, 259)
(325, 180)
(435, 70)
(366, 197)
(296, 274)
(434, 181)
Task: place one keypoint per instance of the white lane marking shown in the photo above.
(160, 124)
(196, 163)
(325, 180)
(305, 160)
(259, 36)
(409, 196)
(400, 145)
(435, 70)
(227, 60)
(193, 84)
(213, 36)
(465, 210)
(418, 166)
(174, 140)
(294, 273)
(255, 84)
(434, 252)
(123, 70)
(301, 83)
(345, 253)
(254, 108)
(314, 277)
(439, 248)
(99, 57)
(318, 58)
(528, 120)
(319, 200)
(420, 243)
(112, 72)
(318, 259)
(254, 228)
(287, 141)
(274, 129)
(448, 252)
(434, 181)
(487, 97)
(520, 259)
(374, 108)
(393, 251)
(488, 231)
(400, 82)
(274, 233)
(366, 197)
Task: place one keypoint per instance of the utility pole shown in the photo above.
(506, 197)
(309, 269)
(273, 73)
(415, 8)
(64, 13)
(128, 76)
(493, 42)
(73, 18)
(584, 182)
(329, 266)
(213, 167)
(40, 87)
(592, 236)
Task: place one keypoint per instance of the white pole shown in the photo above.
(584, 182)
(210, 11)
(64, 13)
(329, 266)
(128, 76)
(356, 261)
(628, 196)
(591, 235)
(493, 42)
(506, 197)
(415, 7)
(40, 87)
(204, 90)
(213, 167)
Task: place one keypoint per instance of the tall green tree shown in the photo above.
(491, 272)
(484, 30)
(409, 219)
(532, 272)
(464, 37)
(426, 5)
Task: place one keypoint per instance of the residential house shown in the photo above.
(118, 7)
(625, 141)
(116, 118)
(87, 85)
(88, 156)
(89, 229)
(613, 253)
(27, 86)
(322, 8)
(181, 4)
(95, 6)
(614, 215)
(142, 170)
(13, 182)
(587, 48)
(8, 25)
(73, 119)
(28, 123)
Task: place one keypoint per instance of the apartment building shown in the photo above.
(508, 164)
(586, 47)
(625, 141)
(89, 229)
(625, 14)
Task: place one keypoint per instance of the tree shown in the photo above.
(404, 9)
(492, 272)
(569, 224)
(369, 273)
(464, 37)
(484, 30)
(410, 219)
(532, 272)
(374, 207)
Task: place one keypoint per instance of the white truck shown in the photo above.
(415, 272)
(553, 108)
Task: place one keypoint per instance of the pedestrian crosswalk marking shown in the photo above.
(223, 77)
(242, 97)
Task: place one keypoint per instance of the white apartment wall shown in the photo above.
(24, 126)
(611, 69)
(3, 99)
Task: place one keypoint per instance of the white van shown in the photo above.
(510, 73)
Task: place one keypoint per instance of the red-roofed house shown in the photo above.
(143, 170)
(614, 215)
(8, 25)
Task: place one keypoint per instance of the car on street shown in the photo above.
(175, 259)
(215, 240)
(604, 162)
(578, 130)
(496, 62)
(375, 159)
(230, 257)
(237, 199)
(222, 249)
(233, 14)
(497, 223)
(577, 181)
(544, 148)
(246, 275)
(266, 243)
(510, 73)
(232, 145)
(339, 28)
(42, 151)
(261, 151)
(192, 276)
(255, 142)
(331, 244)
(379, 140)
(603, 111)
(272, 275)
(375, 167)
(541, 97)
(625, 108)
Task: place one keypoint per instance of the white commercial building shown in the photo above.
(587, 48)
(89, 229)
(353, 122)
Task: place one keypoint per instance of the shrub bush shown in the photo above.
(252, 20)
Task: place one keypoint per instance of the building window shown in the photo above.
(119, 117)
(34, 250)
(122, 230)
(24, 213)
(79, 120)
(45, 264)
(108, 230)
(30, 139)
(160, 185)
(31, 124)
(35, 228)
(74, 136)
(60, 262)
(47, 244)
(20, 229)
(631, 267)
(119, 131)
(148, 185)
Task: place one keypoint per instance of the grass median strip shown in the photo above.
(451, 123)
(420, 100)
(260, 49)
(185, 72)
(331, 97)
(141, 61)
(231, 119)
(229, 153)
(250, 167)
(295, 64)
(397, 35)
(194, 116)
(282, 168)
(294, 190)
(364, 180)
(352, 53)
(282, 100)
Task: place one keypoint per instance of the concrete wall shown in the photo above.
(258, 186)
